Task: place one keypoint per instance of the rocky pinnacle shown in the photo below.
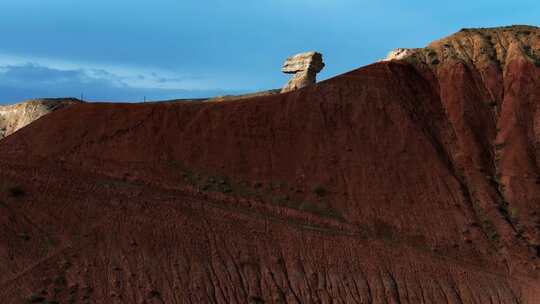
(305, 67)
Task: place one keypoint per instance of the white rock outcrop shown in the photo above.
(399, 54)
(16, 116)
(305, 67)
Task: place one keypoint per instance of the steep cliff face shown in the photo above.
(405, 181)
(489, 86)
(17, 116)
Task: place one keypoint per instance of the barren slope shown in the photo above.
(490, 87)
(401, 182)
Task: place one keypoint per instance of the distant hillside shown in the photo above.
(16, 116)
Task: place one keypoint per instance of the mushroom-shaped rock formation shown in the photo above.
(305, 67)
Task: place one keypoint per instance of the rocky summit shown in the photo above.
(480, 48)
(398, 54)
(305, 67)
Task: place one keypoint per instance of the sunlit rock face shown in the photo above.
(305, 67)
(16, 116)
(398, 54)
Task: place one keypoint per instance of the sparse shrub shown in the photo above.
(499, 146)
(490, 230)
(35, 298)
(514, 213)
(24, 236)
(536, 248)
(503, 208)
(320, 191)
(16, 191)
(256, 300)
(226, 189)
(432, 53)
(154, 294)
(384, 230)
(60, 280)
(487, 225)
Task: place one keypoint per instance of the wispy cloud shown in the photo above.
(22, 78)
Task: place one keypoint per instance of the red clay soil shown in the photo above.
(393, 183)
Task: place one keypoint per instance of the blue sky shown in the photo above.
(123, 50)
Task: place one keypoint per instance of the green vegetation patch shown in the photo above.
(273, 192)
(16, 191)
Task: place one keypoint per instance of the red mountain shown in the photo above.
(405, 181)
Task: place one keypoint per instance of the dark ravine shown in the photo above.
(404, 181)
